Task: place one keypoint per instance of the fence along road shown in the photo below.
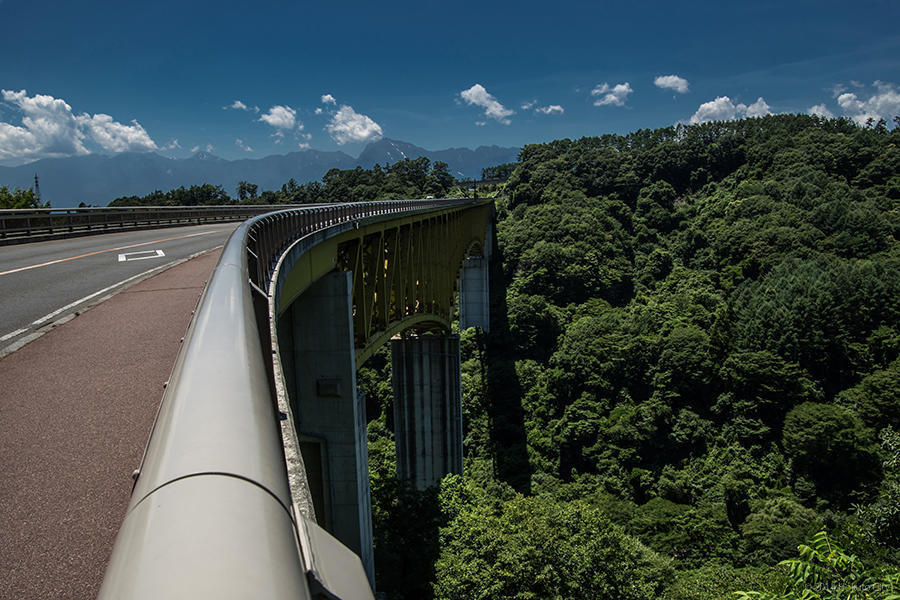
(43, 282)
(38, 224)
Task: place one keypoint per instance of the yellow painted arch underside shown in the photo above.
(469, 225)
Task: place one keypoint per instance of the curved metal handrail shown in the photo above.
(210, 514)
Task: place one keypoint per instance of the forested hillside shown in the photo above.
(697, 373)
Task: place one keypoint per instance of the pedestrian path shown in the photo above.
(76, 407)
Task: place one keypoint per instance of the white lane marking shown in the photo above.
(12, 335)
(46, 318)
(142, 255)
(6, 351)
(60, 260)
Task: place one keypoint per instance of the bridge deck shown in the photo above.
(76, 407)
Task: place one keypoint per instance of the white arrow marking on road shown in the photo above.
(142, 255)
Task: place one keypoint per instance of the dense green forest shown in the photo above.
(692, 375)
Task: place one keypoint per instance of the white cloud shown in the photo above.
(553, 109)
(758, 109)
(240, 144)
(479, 96)
(615, 95)
(303, 145)
(50, 129)
(238, 105)
(480, 123)
(173, 145)
(819, 110)
(116, 137)
(672, 82)
(723, 109)
(328, 99)
(884, 104)
(720, 109)
(347, 125)
(195, 149)
(281, 117)
(318, 110)
(307, 136)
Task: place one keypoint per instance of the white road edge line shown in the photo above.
(12, 335)
(95, 294)
(23, 341)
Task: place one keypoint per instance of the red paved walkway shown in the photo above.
(76, 407)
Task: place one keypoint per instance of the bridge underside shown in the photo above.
(405, 271)
(337, 300)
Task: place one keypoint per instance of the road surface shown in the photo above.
(43, 282)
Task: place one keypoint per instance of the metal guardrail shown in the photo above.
(29, 225)
(211, 515)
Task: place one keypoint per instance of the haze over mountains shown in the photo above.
(98, 179)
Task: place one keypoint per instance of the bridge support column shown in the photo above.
(474, 288)
(331, 415)
(427, 407)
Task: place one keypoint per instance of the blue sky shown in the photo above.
(245, 80)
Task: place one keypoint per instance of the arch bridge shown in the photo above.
(254, 482)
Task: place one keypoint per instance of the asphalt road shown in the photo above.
(76, 407)
(43, 282)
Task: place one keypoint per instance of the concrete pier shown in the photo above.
(316, 340)
(474, 288)
(427, 407)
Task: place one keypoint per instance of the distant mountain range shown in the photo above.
(98, 179)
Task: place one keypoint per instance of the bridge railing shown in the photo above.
(270, 235)
(27, 225)
(211, 513)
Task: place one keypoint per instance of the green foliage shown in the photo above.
(774, 528)
(693, 536)
(531, 548)
(405, 179)
(246, 191)
(877, 397)
(881, 519)
(830, 449)
(824, 571)
(702, 348)
(819, 313)
(196, 195)
(19, 198)
(720, 582)
(498, 172)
